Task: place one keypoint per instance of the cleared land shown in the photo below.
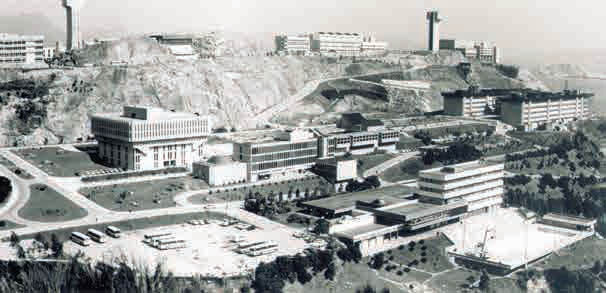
(406, 170)
(47, 205)
(209, 249)
(56, 161)
(142, 195)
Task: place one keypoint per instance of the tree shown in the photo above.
(56, 246)
(321, 226)
(14, 239)
(331, 271)
(597, 267)
(484, 281)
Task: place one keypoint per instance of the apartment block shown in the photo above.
(145, 138)
(478, 183)
(473, 102)
(293, 44)
(19, 50)
(293, 151)
(342, 44)
(530, 110)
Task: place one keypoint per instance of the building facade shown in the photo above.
(341, 44)
(74, 37)
(482, 51)
(478, 183)
(145, 138)
(220, 171)
(294, 151)
(18, 50)
(293, 44)
(474, 102)
(434, 31)
(530, 110)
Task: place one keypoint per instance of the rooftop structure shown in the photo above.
(74, 38)
(143, 138)
(21, 50)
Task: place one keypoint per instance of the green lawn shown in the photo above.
(436, 260)
(18, 171)
(369, 161)
(9, 225)
(56, 161)
(47, 205)
(453, 281)
(406, 170)
(134, 224)
(578, 255)
(142, 195)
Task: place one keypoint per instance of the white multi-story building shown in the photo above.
(478, 183)
(220, 171)
(473, 102)
(297, 44)
(18, 50)
(341, 44)
(292, 152)
(532, 109)
(145, 138)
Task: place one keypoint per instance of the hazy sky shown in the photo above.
(515, 25)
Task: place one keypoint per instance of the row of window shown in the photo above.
(282, 164)
(285, 155)
(170, 128)
(284, 147)
(20, 42)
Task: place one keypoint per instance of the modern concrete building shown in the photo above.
(144, 138)
(340, 44)
(478, 183)
(433, 31)
(338, 171)
(482, 51)
(473, 102)
(529, 109)
(568, 222)
(180, 45)
(220, 170)
(74, 37)
(292, 151)
(293, 44)
(21, 50)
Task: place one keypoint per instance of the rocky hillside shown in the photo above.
(57, 103)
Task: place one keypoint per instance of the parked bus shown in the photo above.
(80, 238)
(150, 237)
(260, 247)
(263, 251)
(113, 231)
(96, 235)
(249, 244)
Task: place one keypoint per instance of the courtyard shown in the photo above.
(62, 162)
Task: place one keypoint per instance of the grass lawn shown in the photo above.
(56, 161)
(453, 281)
(18, 171)
(142, 195)
(504, 285)
(47, 205)
(239, 193)
(436, 260)
(8, 225)
(369, 161)
(134, 224)
(576, 256)
(406, 170)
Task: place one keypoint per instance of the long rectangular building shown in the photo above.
(297, 44)
(479, 183)
(144, 138)
(530, 110)
(18, 50)
(473, 102)
(342, 44)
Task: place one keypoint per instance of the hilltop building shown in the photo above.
(293, 44)
(482, 51)
(434, 31)
(474, 102)
(144, 138)
(74, 37)
(21, 50)
(341, 44)
(530, 109)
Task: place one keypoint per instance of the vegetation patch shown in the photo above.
(56, 161)
(47, 205)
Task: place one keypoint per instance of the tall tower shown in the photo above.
(72, 9)
(434, 31)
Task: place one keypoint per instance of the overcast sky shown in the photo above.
(515, 25)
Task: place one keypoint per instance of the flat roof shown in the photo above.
(361, 231)
(346, 202)
(569, 219)
(154, 114)
(457, 168)
(421, 209)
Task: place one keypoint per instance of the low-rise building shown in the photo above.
(341, 44)
(220, 170)
(473, 102)
(291, 151)
(568, 222)
(482, 51)
(21, 50)
(293, 44)
(338, 171)
(530, 109)
(479, 183)
(145, 138)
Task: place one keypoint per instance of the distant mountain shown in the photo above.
(32, 24)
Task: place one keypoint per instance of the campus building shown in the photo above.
(479, 183)
(144, 138)
(433, 21)
(291, 151)
(179, 45)
(338, 171)
(20, 50)
(220, 170)
(482, 51)
(293, 44)
(341, 44)
(530, 110)
(473, 102)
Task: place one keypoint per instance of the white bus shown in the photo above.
(260, 247)
(149, 237)
(96, 235)
(80, 238)
(113, 231)
(265, 251)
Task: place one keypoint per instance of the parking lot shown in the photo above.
(210, 249)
